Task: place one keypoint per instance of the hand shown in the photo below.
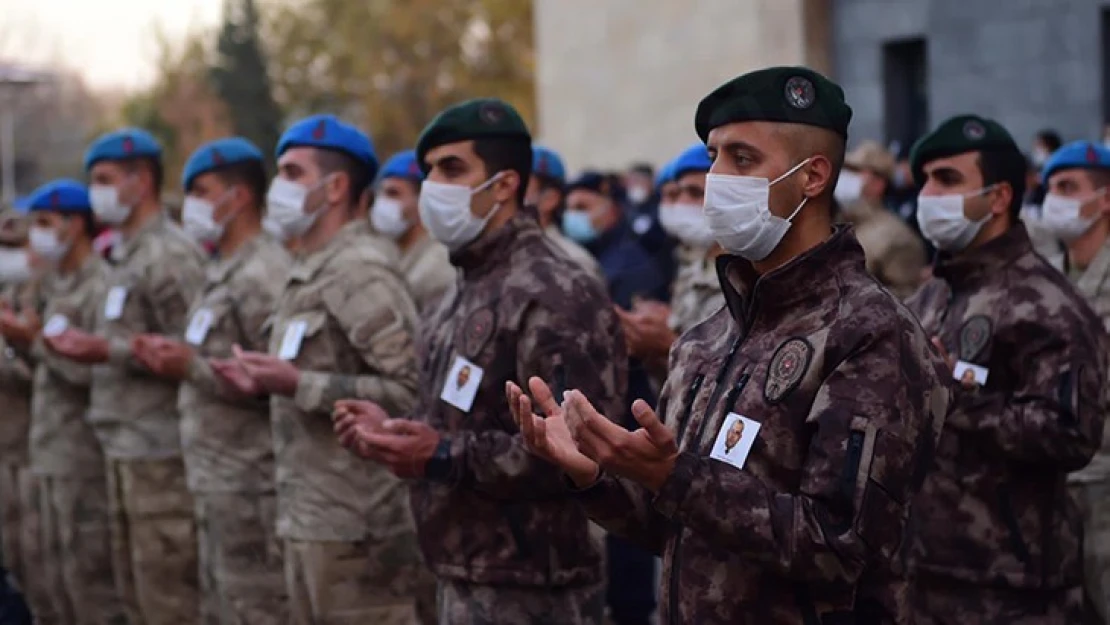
(352, 419)
(164, 357)
(234, 378)
(19, 331)
(403, 446)
(646, 456)
(548, 437)
(646, 330)
(274, 375)
(79, 346)
(967, 380)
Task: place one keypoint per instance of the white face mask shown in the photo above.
(15, 266)
(849, 187)
(638, 195)
(285, 202)
(1040, 157)
(445, 211)
(271, 227)
(1061, 215)
(198, 218)
(46, 244)
(686, 222)
(736, 208)
(107, 206)
(942, 220)
(388, 217)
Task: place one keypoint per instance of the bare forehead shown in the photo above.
(760, 135)
(965, 163)
(303, 156)
(462, 150)
(1075, 176)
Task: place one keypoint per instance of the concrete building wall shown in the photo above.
(1028, 63)
(618, 80)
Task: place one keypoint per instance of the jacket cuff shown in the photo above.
(671, 497)
(310, 391)
(119, 352)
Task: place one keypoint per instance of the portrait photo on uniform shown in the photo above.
(461, 385)
(735, 439)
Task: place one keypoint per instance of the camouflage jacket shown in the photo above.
(428, 272)
(501, 515)
(346, 320)
(62, 441)
(15, 384)
(995, 508)
(806, 413)
(1093, 284)
(575, 252)
(157, 273)
(895, 255)
(696, 292)
(228, 442)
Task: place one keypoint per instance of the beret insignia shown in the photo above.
(1092, 155)
(128, 145)
(217, 158)
(974, 131)
(320, 129)
(974, 336)
(491, 113)
(788, 365)
(800, 93)
(55, 198)
(477, 331)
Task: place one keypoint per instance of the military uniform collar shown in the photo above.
(1091, 279)
(418, 250)
(493, 248)
(71, 281)
(803, 281)
(986, 260)
(127, 246)
(309, 265)
(220, 268)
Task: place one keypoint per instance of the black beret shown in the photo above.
(483, 118)
(590, 181)
(960, 134)
(796, 95)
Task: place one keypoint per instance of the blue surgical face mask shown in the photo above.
(578, 227)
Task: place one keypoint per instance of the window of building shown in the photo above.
(906, 90)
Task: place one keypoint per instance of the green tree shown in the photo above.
(239, 76)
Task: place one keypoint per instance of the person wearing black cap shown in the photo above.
(498, 526)
(997, 537)
(798, 514)
(547, 195)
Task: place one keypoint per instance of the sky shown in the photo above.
(111, 43)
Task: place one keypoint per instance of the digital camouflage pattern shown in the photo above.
(895, 255)
(995, 511)
(461, 603)
(502, 516)
(227, 441)
(696, 292)
(944, 602)
(15, 382)
(428, 272)
(849, 401)
(346, 520)
(575, 252)
(160, 271)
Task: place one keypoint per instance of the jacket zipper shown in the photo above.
(691, 395)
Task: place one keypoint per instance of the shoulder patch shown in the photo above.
(974, 336)
(477, 331)
(788, 366)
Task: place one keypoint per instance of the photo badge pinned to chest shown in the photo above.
(461, 385)
(735, 440)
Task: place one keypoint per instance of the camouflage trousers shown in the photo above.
(339, 583)
(241, 575)
(461, 603)
(21, 536)
(154, 544)
(947, 602)
(1093, 499)
(76, 548)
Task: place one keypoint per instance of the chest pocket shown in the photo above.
(302, 339)
(213, 327)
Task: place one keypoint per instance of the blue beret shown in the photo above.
(65, 196)
(546, 162)
(122, 144)
(693, 159)
(1076, 155)
(666, 174)
(328, 132)
(402, 165)
(216, 154)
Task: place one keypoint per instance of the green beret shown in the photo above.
(795, 95)
(960, 134)
(483, 118)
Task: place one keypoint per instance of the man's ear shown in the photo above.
(1000, 198)
(336, 188)
(505, 188)
(818, 177)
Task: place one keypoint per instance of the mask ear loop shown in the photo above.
(789, 173)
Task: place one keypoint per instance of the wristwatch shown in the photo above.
(439, 465)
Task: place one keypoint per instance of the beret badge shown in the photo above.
(974, 131)
(800, 93)
(491, 113)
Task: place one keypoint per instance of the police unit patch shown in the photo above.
(974, 336)
(799, 93)
(788, 365)
(974, 131)
(477, 331)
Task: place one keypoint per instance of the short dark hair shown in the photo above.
(359, 174)
(251, 174)
(507, 153)
(644, 169)
(998, 166)
(1050, 138)
(1099, 177)
(153, 164)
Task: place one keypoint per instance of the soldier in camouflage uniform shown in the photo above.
(1077, 211)
(342, 328)
(226, 439)
(157, 272)
(423, 262)
(19, 517)
(996, 539)
(546, 195)
(66, 457)
(497, 525)
(796, 423)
